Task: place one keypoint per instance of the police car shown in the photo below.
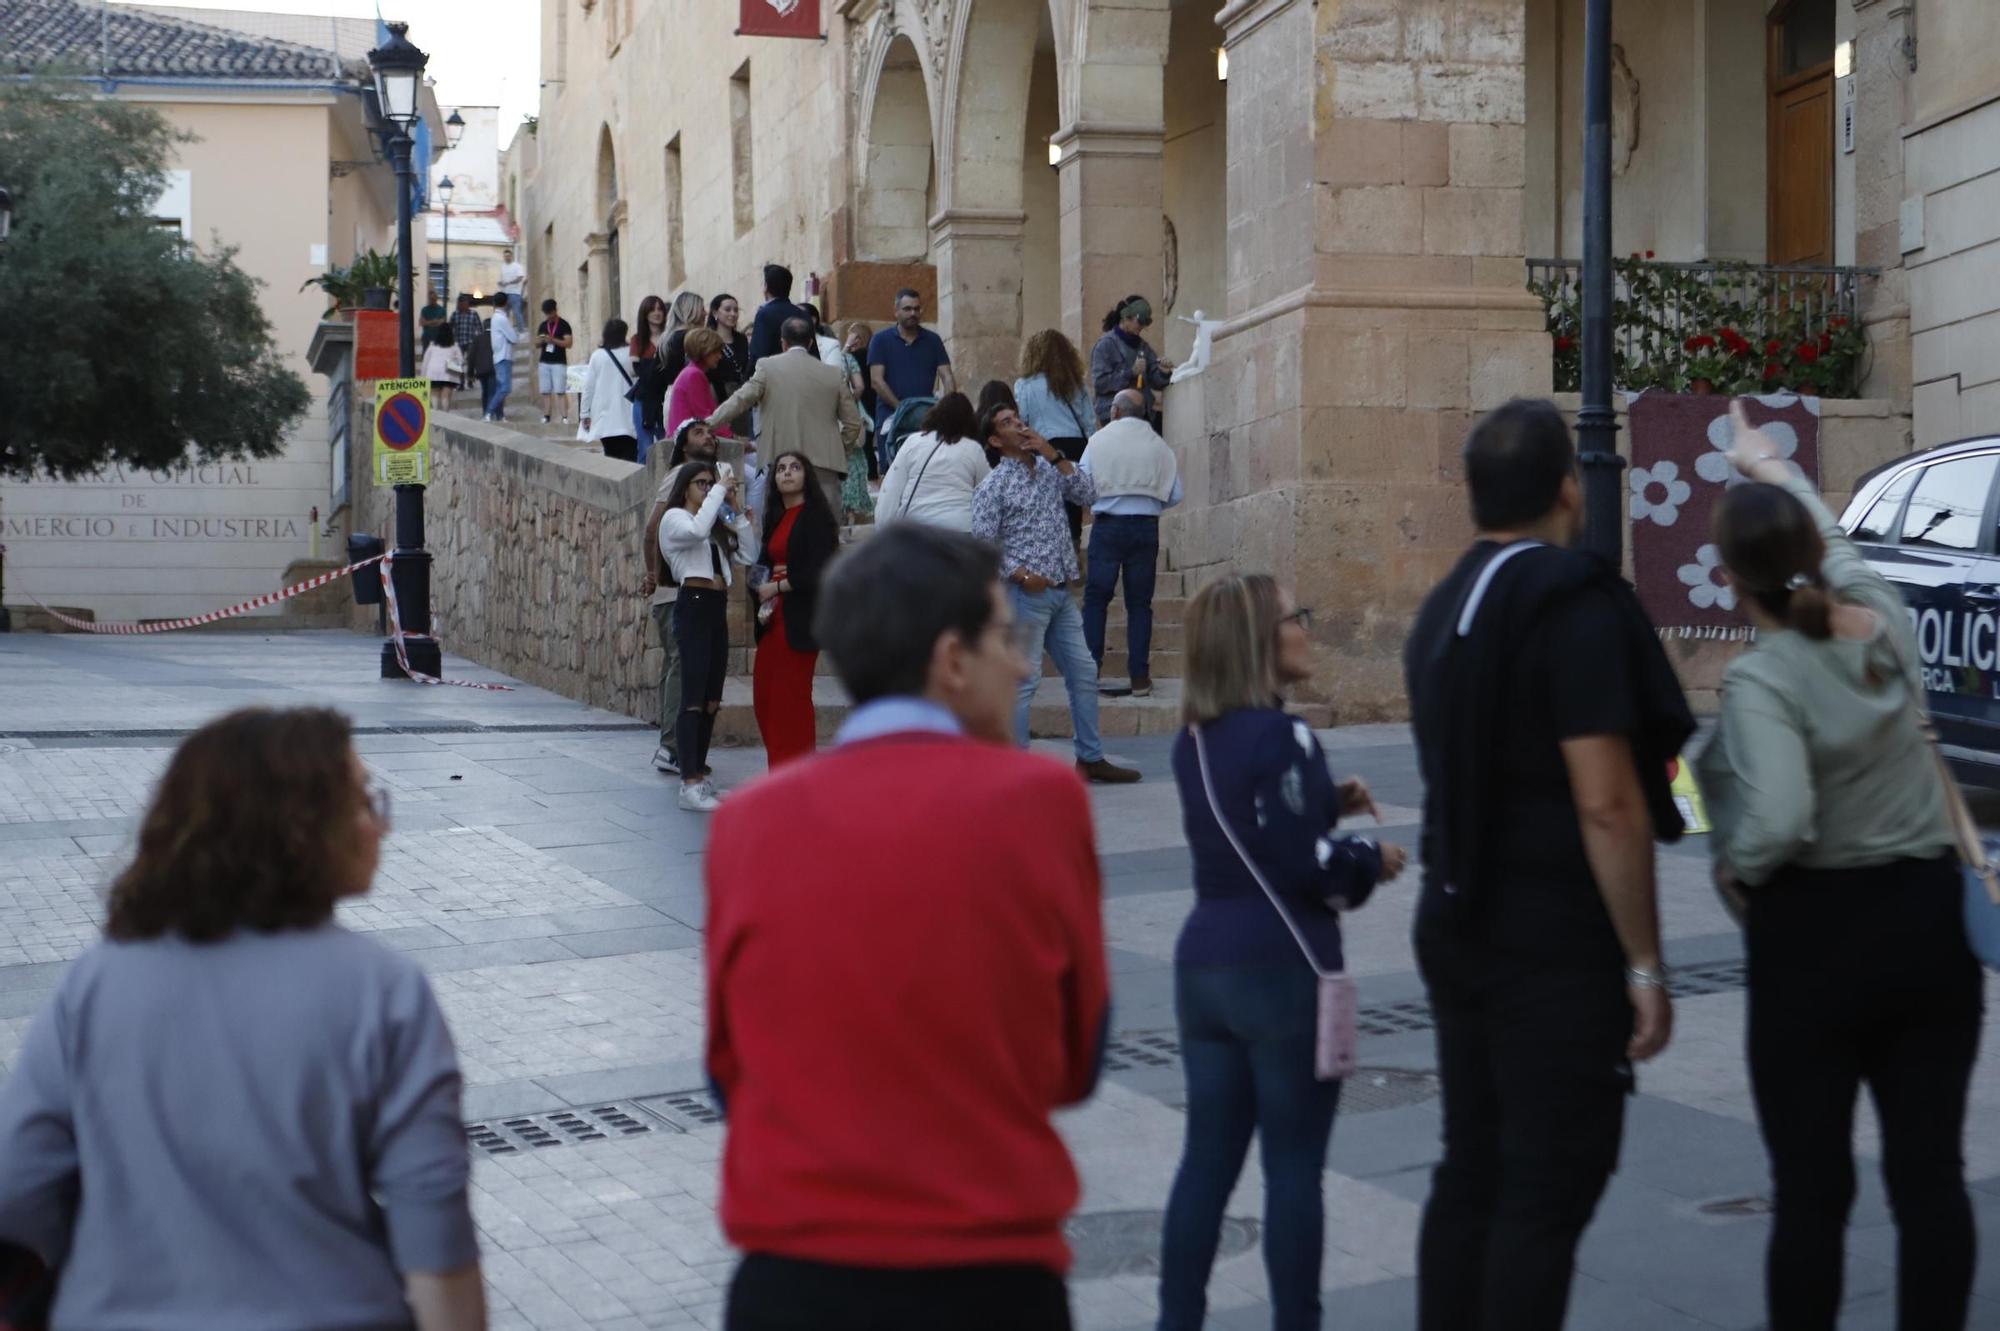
(1927, 522)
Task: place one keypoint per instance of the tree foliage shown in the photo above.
(121, 344)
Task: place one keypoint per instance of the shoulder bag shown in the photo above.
(910, 495)
(1982, 877)
(1334, 1052)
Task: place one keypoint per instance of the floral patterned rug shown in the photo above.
(1679, 472)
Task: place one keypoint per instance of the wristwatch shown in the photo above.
(1648, 977)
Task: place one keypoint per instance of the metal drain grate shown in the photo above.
(686, 1110)
(1394, 1018)
(1127, 1243)
(1370, 1089)
(534, 1132)
(1130, 1052)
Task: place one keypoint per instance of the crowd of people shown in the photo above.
(170, 1101)
(224, 1006)
(848, 405)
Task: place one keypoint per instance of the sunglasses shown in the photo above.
(1303, 617)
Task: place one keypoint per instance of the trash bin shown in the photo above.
(367, 581)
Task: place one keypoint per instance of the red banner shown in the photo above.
(778, 18)
(375, 351)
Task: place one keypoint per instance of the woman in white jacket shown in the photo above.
(607, 412)
(937, 469)
(706, 529)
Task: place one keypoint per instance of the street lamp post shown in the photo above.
(6, 225)
(1596, 422)
(399, 71)
(444, 188)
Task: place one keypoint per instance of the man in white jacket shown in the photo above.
(1136, 479)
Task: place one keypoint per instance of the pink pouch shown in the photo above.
(1334, 1046)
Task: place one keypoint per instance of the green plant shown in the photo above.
(347, 286)
(1726, 324)
(207, 380)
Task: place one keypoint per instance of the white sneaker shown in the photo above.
(664, 761)
(698, 798)
(545, 420)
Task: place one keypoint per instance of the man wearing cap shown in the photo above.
(1123, 359)
(694, 442)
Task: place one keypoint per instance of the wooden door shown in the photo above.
(1799, 121)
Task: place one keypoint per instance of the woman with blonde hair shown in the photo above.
(1834, 835)
(233, 1112)
(693, 394)
(1270, 877)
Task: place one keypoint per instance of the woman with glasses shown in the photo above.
(235, 1113)
(1257, 803)
(705, 530)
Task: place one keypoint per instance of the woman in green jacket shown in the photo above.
(1832, 833)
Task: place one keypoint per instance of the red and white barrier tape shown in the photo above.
(272, 598)
(396, 636)
(167, 625)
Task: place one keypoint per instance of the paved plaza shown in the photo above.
(540, 873)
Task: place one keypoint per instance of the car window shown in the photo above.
(1946, 507)
(1880, 524)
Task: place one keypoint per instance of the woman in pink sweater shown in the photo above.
(692, 396)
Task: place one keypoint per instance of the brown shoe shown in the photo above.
(1106, 773)
(1142, 687)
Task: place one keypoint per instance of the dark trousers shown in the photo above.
(1532, 1057)
(487, 384)
(1128, 547)
(701, 631)
(1071, 447)
(784, 1294)
(1247, 1038)
(1863, 975)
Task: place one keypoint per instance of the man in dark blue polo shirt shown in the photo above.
(907, 360)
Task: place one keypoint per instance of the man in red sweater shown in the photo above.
(897, 1003)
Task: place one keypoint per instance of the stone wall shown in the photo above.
(537, 562)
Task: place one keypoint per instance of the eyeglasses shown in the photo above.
(378, 804)
(1303, 617)
(703, 481)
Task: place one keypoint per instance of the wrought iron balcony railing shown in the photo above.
(1714, 326)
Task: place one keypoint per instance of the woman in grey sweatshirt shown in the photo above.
(1832, 831)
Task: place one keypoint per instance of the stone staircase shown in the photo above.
(1049, 716)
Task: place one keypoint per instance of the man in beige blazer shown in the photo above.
(806, 404)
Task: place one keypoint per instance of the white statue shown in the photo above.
(1204, 340)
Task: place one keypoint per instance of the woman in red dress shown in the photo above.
(800, 536)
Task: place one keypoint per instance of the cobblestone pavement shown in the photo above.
(542, 876)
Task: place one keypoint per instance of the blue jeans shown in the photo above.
(1048, 620)
(503, 384)
(646, 437)
(1129, 545)
(517, 308)
(1247, 1036)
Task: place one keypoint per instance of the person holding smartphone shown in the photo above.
(704, 531)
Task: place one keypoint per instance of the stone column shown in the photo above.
(1377, 298)
(1112, 228)
(978, 256)
(597, 297)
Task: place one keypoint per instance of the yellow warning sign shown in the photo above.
(402, 432)
(1687, 798)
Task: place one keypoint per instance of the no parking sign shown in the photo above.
(402, 432)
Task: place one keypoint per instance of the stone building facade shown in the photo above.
(1349, 187)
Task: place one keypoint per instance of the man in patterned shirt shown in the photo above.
(1019, 508)
(466, 326)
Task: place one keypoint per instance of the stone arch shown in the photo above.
(893, 204)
